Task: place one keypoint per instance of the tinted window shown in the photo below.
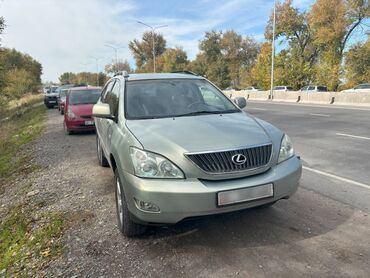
(322, 89)
(279, 88)
(172, 98)
(84, 97)
(289, 88)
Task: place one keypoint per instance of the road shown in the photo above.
(322, 231)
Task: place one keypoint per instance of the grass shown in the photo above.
(28, 238)
(24, 125)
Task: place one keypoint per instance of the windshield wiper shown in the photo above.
(202, 112)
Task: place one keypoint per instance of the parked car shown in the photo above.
(283, 88)
(179, 148)
(62, 100)
(50, 98)
(358, 89)
(314, 88)
(78, 109)
(253, 89)
(232, 89)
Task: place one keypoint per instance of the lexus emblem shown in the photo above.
(239, 159)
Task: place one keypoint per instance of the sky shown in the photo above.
(66, 35)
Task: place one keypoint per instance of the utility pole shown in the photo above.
(153, 41)
(273, 52)
(97, 68)
(115, 48)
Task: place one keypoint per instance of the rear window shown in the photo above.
(279, 88)
(289, 88)
(84, 97)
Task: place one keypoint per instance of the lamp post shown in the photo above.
(115, 48)
(273, 51)
(153, 42)
(97, 68)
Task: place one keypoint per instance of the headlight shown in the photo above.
(286, 149)
(150, 165)
(71, 115)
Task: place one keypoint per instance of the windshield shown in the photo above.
(174, 98)
(84, 97)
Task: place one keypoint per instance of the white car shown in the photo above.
(314, 88)
(359, 88)
(283, 88)
(253, 89)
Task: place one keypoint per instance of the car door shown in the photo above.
(103, 124)
(113, 100)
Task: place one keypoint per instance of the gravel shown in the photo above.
(308, 235)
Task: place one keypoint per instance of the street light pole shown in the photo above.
(153, 28)
(273, 52)
(97, 68)
(115, 48)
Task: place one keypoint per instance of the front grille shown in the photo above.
(221, 162)
(86, 116)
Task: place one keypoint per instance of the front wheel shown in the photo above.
(103, 161)
(66, 130)
(126, 224)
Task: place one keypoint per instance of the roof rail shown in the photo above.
(185, 72)
(123, 73)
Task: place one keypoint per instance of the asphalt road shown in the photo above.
(334, 145)
(322, 231)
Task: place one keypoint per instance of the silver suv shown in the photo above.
(179, 148)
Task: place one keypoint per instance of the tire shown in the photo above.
(126, 225)
(66, 130)
(103, 161)
(61, 112)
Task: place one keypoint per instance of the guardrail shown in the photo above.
(344, 98)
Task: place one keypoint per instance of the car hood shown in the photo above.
(82, 109)
(198, 133)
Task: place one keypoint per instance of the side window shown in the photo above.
(107, 89)
(112, 98)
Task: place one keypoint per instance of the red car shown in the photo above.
(78, 109)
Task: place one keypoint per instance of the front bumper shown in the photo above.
(80, 125)
(180, 199)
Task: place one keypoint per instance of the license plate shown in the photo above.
(245, 194)
(52, 101)
(89, 122)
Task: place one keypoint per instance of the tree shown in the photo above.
(143, 50)
(261, 72)
(331, 30)
(199, 65)
(120, 66)
(67, 78)
(173, 59)
(2, 25)
(357, 64)
(292, 27)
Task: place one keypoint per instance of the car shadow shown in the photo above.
(298, 218)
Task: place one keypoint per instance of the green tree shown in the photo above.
(261, 72)
(331, 31)
(357, 64)
(143, 50)
(199, 65)
(117, 67)
(67, 78)
(174, 59)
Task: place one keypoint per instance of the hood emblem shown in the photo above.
(238, 159)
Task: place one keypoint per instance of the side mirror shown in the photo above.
(102, 110)
(240, 102)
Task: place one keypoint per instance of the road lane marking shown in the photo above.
(320, 115)
(363, 185)
(353, 136)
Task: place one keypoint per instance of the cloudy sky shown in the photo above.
(63, 35)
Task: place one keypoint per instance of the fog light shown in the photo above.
(146, 206)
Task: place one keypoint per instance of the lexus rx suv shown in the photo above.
(179, 148)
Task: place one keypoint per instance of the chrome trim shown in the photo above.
(231, 173)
